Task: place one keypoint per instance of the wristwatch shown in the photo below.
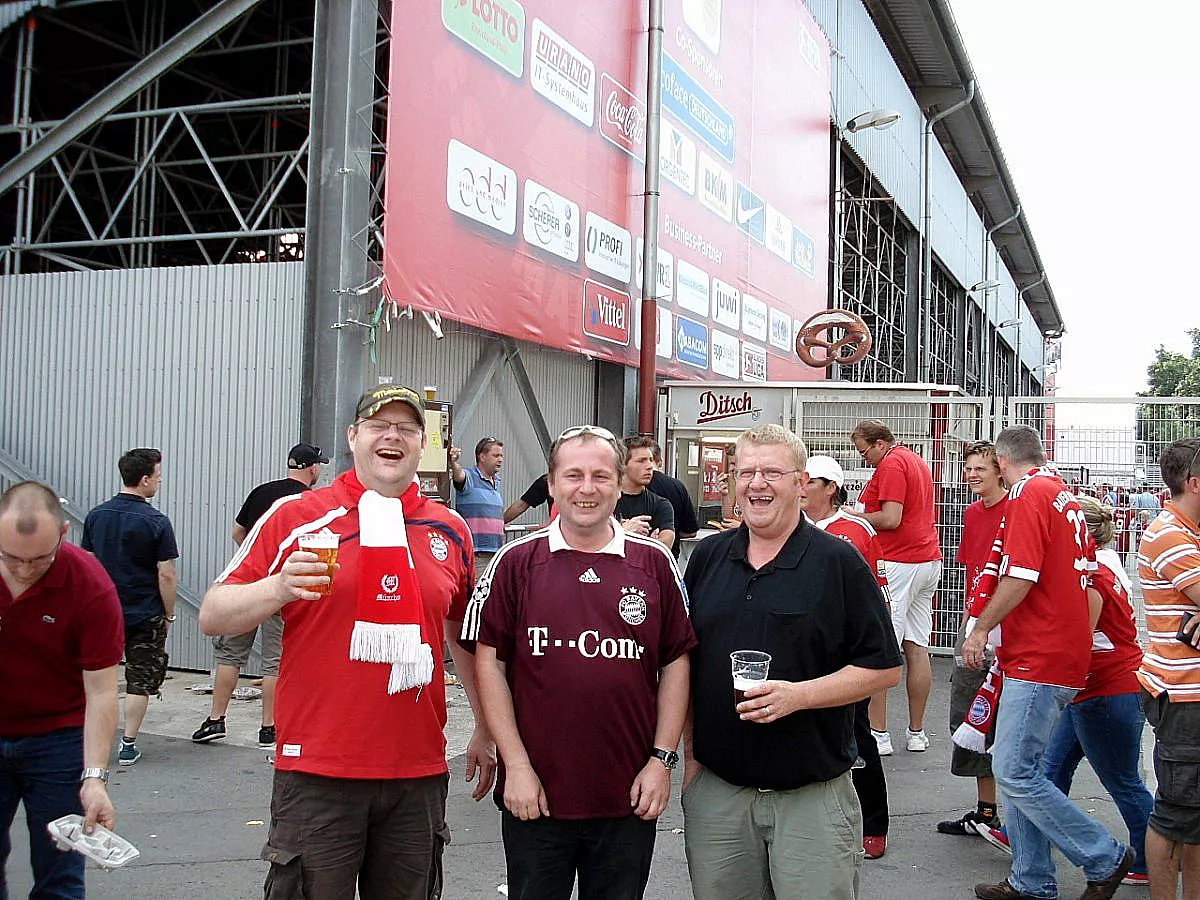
(102, 774)
(668, 758)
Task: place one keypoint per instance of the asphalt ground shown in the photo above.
(199, 814)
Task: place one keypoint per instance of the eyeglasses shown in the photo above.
(577, 430)
(768, 475)
(32, 562)
(1192, 464)
(381, 427)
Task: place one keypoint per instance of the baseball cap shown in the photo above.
(304, 455)
(825, 467)
(375, 399)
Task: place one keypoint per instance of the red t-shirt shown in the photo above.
(68, 623)
(902, 477)
(980, 523)
(583, 637)
(862, 535)
(1116, 654)
(1047, 636)
(333, 716)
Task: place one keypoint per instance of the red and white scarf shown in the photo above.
(389, 624)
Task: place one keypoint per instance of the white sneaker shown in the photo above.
(918, 741)
(883, 740)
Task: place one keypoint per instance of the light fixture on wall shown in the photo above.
(878, 119)
(990, 285)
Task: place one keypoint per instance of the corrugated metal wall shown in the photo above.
(202, 362)
(565, 384)
(865, 77)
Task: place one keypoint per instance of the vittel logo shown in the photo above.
(716, 405)
(606, 313)
(624, 118)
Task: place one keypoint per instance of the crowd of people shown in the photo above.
(597, 674)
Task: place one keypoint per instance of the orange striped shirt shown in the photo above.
(1169, 564)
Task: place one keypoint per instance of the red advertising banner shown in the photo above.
(515, 174)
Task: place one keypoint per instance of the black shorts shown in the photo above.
(964, 685)
(146, 656)
(1176, 814)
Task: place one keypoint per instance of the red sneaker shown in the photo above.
(997, 837)
(875, 845)
(1136, 879)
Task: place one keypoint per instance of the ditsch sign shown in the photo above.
(715, 405)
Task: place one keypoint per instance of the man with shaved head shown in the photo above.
(62, 632)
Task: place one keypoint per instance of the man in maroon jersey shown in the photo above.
(980, 522)
(581, 659)
(1044, 558)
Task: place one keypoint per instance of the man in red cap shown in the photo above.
(360, 770)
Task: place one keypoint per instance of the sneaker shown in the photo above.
(211, 730)
(966, 825)
(266, 736)
(918, 741)
(883, 740)
(997, 837)
(129, 753)
(875, 845)
(1136, 879)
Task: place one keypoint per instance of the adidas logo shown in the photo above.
(589, 577)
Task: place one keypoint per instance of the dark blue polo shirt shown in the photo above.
(130, 538)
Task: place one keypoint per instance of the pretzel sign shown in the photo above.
(855, 335)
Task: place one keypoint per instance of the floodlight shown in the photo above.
(875, 118)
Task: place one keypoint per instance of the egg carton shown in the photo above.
(109, 850)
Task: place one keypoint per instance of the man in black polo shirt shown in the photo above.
(231, 652)
(136, 545)
(769, 805)
(641, 511)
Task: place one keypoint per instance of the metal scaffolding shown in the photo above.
(155, 132)
(875, 273)
(945, 328)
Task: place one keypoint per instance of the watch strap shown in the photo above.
(94, 772)
(668, 758)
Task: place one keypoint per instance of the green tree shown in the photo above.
(1170, 375)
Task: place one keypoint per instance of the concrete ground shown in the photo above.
(198, 815)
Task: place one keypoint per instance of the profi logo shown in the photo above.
(717, 405)
(480, 188)
(609, 249)
(494, 28)
(623, 119)
(606, 313)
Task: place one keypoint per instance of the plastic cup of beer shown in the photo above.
(325, 546)
(431, 391)
(750, 667)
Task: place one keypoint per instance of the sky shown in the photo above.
(1094, 104)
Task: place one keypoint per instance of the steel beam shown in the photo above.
(339, 208)
(477, 384)
(528, 395)
(143, 73)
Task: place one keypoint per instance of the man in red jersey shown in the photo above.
(824, 499)
(60, 646)
(582, 667)
(1045, 558)
(981, 520)
(898, 502)
(359, 797)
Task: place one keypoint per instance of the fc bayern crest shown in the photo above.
(389, 583)
(438, 546)
(981, 711)
(632, 606)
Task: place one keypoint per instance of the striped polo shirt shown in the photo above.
(1169, 564)
(480, 503)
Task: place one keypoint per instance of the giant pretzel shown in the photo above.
(854, 333)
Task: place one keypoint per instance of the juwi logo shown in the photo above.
(606, 313)
(494, 28)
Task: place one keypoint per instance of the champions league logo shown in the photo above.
(438, 547)
(632, 605)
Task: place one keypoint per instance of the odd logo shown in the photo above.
(480, 188)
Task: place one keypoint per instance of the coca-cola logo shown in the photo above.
(714, 405)
(624, 122)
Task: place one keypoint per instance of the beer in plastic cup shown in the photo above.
(325, 546)
(750, 667)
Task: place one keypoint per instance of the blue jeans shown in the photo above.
(1037, 813)
(1108, 731)
(42, 771)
